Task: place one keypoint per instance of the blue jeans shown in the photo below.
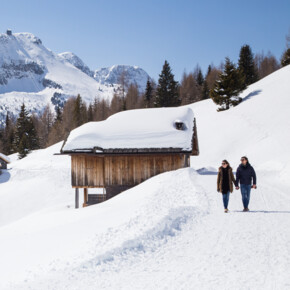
(246, 192)
(226, 197)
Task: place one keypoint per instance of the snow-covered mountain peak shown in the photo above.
(76, 61)
(114, 74)
(32, 73)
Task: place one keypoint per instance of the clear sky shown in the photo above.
(145, 33)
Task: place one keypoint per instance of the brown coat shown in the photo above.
(220, 179)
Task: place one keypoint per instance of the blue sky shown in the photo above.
(145, 33)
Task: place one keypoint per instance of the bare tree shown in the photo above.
(212, 76)
(266, 64)
(123, 81)
(132, 97)
(190, 91)
(116, 104)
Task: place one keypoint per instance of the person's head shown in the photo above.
(244, 160)
(225, 164)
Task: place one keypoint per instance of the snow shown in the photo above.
(169, 232)
(151, 128)
(5, 158)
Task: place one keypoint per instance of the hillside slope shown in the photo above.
(169, 232)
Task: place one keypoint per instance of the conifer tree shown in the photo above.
(58, 114)
(205, 90)
(227, 87)
(285, 60)
(79, 112)
(90, 113)
(167, 94)
(8, 136)
(148, 94)
(77, 118)
(247, 66)
(198, 76)
(26, 138)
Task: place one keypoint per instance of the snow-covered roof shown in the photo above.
(5, 158)
(135, 131)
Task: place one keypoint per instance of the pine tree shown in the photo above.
(8, 136)
(79, 112)
(90, 113)
(58, 114)
(26, 138)
(77, 118)
(167, 94)
(148, 94)
(205, 90)
(23, 147)
(285, 60)
(247, 66)
(208, 70)
(227, 87)
(198, 76)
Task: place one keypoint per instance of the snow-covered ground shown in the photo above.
(169, 232)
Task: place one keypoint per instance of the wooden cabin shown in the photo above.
(128, 148)
(4, 160)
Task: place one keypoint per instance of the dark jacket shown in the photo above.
(245, 174)
(220, 178)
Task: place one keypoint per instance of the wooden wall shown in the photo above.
(126, 170)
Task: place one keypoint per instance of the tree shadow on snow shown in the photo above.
(264, 211)
(204, 171)
(5, 176)
(252, 94)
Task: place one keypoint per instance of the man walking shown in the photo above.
(245, 175)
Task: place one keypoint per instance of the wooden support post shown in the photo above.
(77, 198)
(85, 197)
(104, 179)
(186, 160)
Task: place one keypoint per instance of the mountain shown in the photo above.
(77, 62)
(131, 74)
(31, 73)
(170, 231)
(110, 76)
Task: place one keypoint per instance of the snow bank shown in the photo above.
(5, 158)
(144, 128)
(94, 236)
(39, 181)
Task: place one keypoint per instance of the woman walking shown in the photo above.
(225, 181)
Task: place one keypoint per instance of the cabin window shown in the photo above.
(179, 125)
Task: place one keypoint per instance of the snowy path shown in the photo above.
(209, 250)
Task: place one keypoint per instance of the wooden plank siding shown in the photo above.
(89, 171)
